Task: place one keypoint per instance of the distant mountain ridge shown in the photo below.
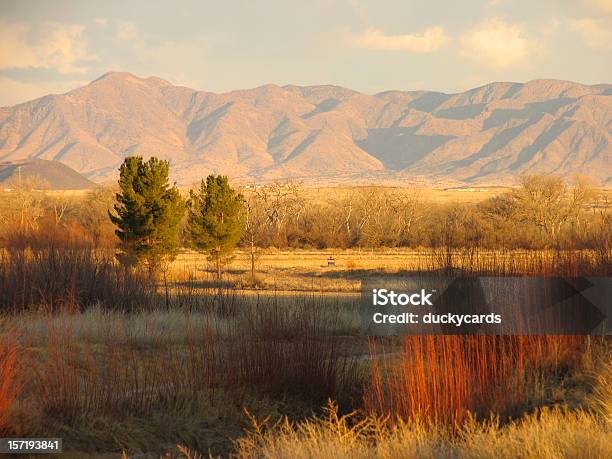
(490, 134)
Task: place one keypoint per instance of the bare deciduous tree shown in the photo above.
(541, 202)
(281, 201)
(255, 221)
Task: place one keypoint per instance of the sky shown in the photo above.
(370, 46)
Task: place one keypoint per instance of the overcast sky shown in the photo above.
(371, 46)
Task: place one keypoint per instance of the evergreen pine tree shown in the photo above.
(215, 219)
(148, 213)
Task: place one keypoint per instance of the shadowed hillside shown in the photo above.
(53, 174)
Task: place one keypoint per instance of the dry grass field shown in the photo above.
(122, 364)
(144, 381)
(302, 270)
(341, 270)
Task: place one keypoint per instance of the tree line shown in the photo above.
(150, 219)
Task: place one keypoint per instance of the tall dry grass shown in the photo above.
(264, 350)
(55, 278)
(293, 350)
(602, 397)
(10, 378)
(547, 434)
(503, 262)
(75, 381)
(216, 341)
(445, 379)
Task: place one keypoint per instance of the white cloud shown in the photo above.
(496, 43)
(431, 39)
(596, 33)
(54, 46)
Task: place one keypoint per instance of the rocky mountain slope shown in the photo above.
(490, 134)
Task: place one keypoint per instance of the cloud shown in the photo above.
(496, 43)
(52, 46)
(551, 27)
(127, 31)
(605, 6)
(431, 39)
(14, 52)
(596, 33)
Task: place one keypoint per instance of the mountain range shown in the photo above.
(324, 134)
